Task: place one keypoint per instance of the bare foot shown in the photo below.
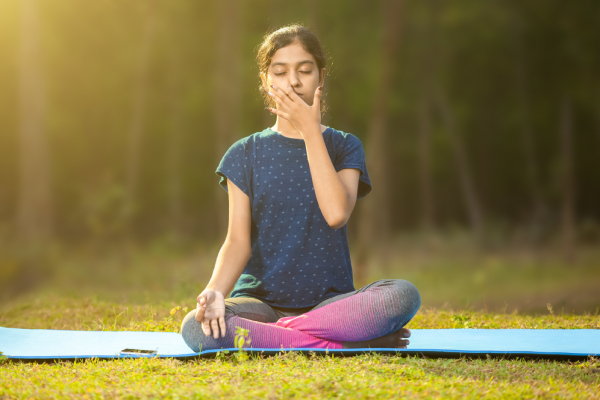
(393, 340)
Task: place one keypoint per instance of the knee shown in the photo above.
(409, 295)
(191, 331)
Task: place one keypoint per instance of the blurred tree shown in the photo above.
(566, 178)
(35, 208)
(174, 174)
(426, 76)
(528, 142)
(137, 126)
(375, 228)
(463, 167)
(227, 92)
(503, 68)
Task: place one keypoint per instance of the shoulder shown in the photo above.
(246, 143)
(338, 135)
(343, 140)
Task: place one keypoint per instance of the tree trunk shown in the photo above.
(598, 125)
(425, 178)
(426, 123)
(227, 94)
(34, 207)
(566, 179)
(174, 148)
(375, 216)
(136, 131)
(538, 206)
(472, 202)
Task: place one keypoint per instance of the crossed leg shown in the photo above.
(371, 316)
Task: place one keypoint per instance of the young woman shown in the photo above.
(291, 189)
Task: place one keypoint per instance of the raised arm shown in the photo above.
(232, 259)
(336, 192)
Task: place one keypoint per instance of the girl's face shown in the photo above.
(294, 65)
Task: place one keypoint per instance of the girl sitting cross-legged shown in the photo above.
(292, 188)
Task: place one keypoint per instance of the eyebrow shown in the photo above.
(300, 63)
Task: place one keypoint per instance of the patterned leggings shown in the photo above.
(375, 310)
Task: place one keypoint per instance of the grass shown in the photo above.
(289, 375)
(153, 289)
(304, 377)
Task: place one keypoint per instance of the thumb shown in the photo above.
(318, 93)
(317, 98)
(200, 308)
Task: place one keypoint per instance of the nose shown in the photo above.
(294, 81)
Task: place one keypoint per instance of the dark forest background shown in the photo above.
(480, 119)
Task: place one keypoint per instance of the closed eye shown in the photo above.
(304, 72)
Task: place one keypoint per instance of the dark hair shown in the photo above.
(282, 37)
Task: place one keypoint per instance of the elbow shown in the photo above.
(241, 245)
(337, 221)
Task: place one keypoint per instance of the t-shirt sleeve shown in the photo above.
(352, 155)
(235, 166)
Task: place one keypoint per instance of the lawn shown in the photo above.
(153, 285)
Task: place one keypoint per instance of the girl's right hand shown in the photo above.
(210, 312)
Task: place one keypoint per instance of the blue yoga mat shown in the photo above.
(40, 344)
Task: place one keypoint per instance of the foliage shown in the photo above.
(241, 337)
(477, 54)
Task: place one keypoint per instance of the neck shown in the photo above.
(286, 128)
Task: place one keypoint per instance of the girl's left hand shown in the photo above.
(293, 108)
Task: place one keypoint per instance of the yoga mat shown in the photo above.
(42, 344)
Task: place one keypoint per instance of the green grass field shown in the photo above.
(83, 293)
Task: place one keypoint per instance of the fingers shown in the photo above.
(206, 328)
(215, 328)
(222, 325)
(284, 94)
(281, 96)
(281, 114)
(278, 101)
(291, 93)
(214, 324)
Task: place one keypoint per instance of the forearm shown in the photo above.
(330, 191)
(230, 264)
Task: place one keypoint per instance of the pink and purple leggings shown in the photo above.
(375, 310)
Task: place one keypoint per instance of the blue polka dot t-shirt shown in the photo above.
(297, 259)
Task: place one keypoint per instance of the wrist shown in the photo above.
(216, 289)
(311, 131)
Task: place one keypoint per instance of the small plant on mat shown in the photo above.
(241, 338)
